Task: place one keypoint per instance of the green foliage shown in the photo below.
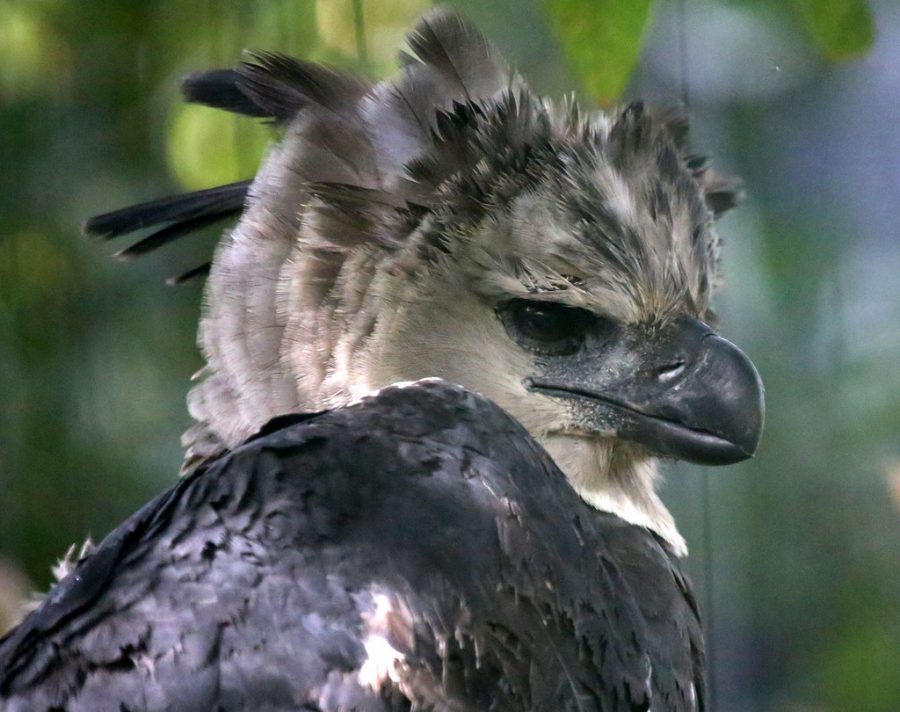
(602, 40)
(859, 670)
(842, 29)
(209, 147)
(29, 49)
(369, 32)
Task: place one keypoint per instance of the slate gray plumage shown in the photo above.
(254, 582)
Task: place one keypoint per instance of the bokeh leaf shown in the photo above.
(602, 41)
(379, 26)
(842, 29)
(208, 147)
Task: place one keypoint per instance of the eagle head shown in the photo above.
(565, 272)
(451, 223)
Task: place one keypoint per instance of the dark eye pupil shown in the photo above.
(541, 322)
(548, 327)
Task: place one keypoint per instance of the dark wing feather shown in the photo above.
(261, 580)
(721, 193)
(181, 215)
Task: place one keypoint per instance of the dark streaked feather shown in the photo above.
(329, 148)
(630, 136)
(353, 197)
(675, 120)
(221, 89)
(401, 117)
(458, 53)
(281, 86)
(696, 162)
(190, 275)
(222, 201)
(352, 215)
(170, 233)
(451, 148)
(721, 193)
(453, 63)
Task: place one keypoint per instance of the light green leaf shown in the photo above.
(207, 147)
(370, 31)
(602, 40)
(842, 29)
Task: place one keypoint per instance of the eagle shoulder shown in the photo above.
(416, 547)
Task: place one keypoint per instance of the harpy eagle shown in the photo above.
(493, 545)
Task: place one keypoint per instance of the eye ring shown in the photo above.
(547, 328)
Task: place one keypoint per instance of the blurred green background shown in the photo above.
(795, 554)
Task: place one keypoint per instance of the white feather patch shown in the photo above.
(383, 661)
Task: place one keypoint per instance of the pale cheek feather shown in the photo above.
(625, 486)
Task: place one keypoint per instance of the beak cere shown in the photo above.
(681, 390)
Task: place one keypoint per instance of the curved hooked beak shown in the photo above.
(681, 391)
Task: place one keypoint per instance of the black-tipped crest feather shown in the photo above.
(189, 275)
(458, 53)
(282, 86)
(221, 201)
(220, 89)
(170, 233)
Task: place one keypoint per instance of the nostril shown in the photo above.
(670, 371)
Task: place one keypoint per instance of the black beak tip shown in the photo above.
(745, 402)
(735, 418)
(714, 414)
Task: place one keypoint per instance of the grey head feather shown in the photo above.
(401, 179)
(456, 55)
(282, 86)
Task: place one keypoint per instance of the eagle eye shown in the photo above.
(547, 327)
